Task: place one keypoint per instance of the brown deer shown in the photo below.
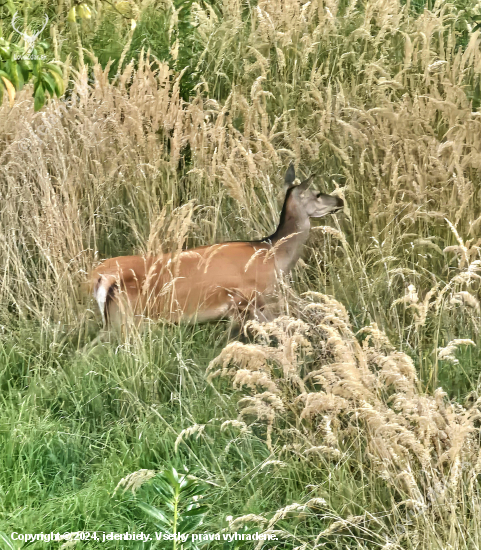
(231, 280)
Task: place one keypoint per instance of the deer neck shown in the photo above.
(291, 234)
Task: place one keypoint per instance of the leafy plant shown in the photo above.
(21, 64)
(181, 513)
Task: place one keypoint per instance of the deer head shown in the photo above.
(312, 202)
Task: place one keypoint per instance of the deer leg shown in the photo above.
(235, 331)
(112, 319)
(243, 309)
(258, 310)
(238, 310)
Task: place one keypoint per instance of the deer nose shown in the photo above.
(340, 202)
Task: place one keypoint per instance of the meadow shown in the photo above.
(351, 421)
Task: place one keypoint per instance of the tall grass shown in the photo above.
(383, 104)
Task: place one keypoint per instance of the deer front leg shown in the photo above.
(243, 309)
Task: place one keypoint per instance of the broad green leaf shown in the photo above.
(154, 512)
(168, 504)
(164, 488)
(172, 476)
(189, 524)
(59, 85)
(54, 68)
(11, 69)
(21, 81)
(39, 97)
(72, 14)
(195, 490)
(196, 511)
(25, 69)
(14, 75)
(49, 83)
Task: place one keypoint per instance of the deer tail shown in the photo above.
(104, 291)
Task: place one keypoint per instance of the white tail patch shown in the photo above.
(100, 294)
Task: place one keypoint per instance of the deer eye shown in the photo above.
(318, 195)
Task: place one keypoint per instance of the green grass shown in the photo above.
(72, 426)
(343, 99)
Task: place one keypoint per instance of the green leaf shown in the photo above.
(168, 504)
(39, 97)
(154, 512)
(59, 84)
(54, 68)
(21, 81)
(163, 486)
(6, 542)
(11, 69)
(72, 14)
(11, 7)
(189, 524)
(172, 474)
(49, 83)
(194, 490)
(25, 69)
(196, 511)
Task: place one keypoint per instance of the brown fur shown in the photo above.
(201, 284)
(235, 280)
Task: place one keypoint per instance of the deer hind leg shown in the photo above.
(123, 320)
(102, 295)
(106, 293)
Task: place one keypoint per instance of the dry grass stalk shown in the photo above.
(195, 429)
(134, 481)
(351, 390)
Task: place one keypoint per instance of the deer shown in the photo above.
(235, 280)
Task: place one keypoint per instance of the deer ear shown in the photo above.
(305, 184)
(290, 176)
